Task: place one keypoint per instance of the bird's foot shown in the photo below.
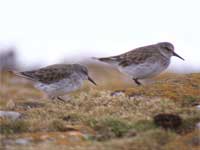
(59, 98)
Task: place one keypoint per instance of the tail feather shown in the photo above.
(106, 59)
(95, 58)
(23, 75)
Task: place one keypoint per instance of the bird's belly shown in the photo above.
(144, 70)
(60, 88)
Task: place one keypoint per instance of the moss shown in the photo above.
(151, 140)
(190, 141)
(12, 127)
(57, 125)
(144, 125)
(73, 117)
(173, 86)
(159, 136)
(119, 128)
(190, 101)
(2, 104)
(109, 127)
(189, 123)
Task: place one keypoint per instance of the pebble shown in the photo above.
(117, 93)
(10, 115)
(198, 125)
(198, 107)
(22, 141)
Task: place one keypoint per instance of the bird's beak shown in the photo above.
(177, 55)
(91, 80)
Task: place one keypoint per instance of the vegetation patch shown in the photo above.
(96, 118)
(12, 127)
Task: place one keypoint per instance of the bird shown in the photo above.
(58, 79)
(143, 62)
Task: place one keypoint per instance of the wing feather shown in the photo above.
(135, 56)
(49, 74)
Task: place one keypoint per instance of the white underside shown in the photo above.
(145, 70)
(62, 87)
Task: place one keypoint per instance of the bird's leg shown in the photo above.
(56, 98)
(61, 99)
(136, 81)
(52, 97)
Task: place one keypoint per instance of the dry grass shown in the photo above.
(102, 121)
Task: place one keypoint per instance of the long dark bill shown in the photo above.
(175, 54)
(91, 80)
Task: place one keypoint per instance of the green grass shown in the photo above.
(13, 127)
(109, 127)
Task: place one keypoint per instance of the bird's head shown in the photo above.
(83, 71)
(167, 49)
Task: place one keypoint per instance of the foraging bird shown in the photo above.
(59, 79)
(143, 62)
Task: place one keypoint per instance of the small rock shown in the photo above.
(117, 93)
(198, 107)
(198, 125)
(22, 141)
(10, 115)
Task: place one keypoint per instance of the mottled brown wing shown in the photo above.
(136, 56)
(49, 74)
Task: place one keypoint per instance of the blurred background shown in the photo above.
(36, 33)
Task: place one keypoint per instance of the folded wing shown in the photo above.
(48, 74)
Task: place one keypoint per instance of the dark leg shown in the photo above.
(52, 97)
(59, 98)
(137, 82)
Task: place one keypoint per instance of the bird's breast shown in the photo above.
(61, 87)
(145, 70)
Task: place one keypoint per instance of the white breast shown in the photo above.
(61, 87)
(144, 70)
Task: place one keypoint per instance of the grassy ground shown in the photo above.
(100, 118)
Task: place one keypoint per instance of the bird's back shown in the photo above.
(135, 56)
(49, 74)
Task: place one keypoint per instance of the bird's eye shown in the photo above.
(167, 48)
(85, 72)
